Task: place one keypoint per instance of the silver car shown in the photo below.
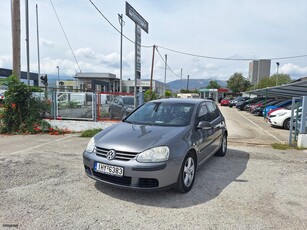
(159, 145)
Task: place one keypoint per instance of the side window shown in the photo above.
(203, 113)
(213, 110)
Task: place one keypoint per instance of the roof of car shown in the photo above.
(182, 100)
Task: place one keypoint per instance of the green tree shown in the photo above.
(275, 79)
(189, 91)
(213, 85)
(149, 95)
(237, 83)
(21, 111)
(168, 93)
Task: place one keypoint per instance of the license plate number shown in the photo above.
(109, 169)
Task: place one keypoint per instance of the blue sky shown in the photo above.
(248, 29)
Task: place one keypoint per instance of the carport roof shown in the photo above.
(296, 88)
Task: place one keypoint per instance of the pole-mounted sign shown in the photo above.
(136, 17)
(140, 23)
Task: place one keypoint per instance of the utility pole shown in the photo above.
(37, 38)
(151, 75)
(277, 63)
(164, 86)
(58, 67)
(27, 41)
(122, 23)
(188, 82)
(181, 80)
(15, 15)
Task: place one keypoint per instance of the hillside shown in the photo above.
(176, 85)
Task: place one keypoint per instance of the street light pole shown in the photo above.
(58, 67)
(27, 41)
(164, 86)
(277, 63)
(122, 23)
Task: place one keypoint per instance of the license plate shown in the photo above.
(109, 169)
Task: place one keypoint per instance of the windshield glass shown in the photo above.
(128, 100)
(162, 114)
(281, 103)
(296, 105)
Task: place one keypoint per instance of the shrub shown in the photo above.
(90, 132)
(21, 112)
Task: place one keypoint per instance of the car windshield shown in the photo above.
(282, 103)
(273, 102)
(296, 105)
(162, 114)
(128, 100)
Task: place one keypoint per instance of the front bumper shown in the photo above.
(143, 176)
(276, 121)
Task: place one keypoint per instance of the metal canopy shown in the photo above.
(297, 88)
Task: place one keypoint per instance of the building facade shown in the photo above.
(259, 69)
(97, 82)
(157, 87)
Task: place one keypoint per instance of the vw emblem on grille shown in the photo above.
(111, 154)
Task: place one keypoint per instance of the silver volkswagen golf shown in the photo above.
(159, 145)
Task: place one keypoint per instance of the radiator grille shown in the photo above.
(123, 156)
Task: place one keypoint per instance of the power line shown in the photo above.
(65, 36)
(229, 59)
(145, 46)
(166, 63)
(191, 54)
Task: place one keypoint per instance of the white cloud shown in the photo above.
(5, 61)
(293, 70)
(208, 28)
(86, 52)
(66, 67)
(46, 42)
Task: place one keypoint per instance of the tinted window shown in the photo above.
(128, 100)
(162, 114)
(213, 110)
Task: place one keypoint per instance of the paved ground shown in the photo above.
(43, 186)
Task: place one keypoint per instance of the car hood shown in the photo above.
(137, 138)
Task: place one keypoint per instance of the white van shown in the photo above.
(78, 98)
(188, 95)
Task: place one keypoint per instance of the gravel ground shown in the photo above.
(43, 186)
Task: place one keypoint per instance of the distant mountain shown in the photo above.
(176, 85)
(54, 78)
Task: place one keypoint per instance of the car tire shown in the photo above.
(286, 124)
(223, 149)
(187, 174)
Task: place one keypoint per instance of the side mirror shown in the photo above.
(204, 125)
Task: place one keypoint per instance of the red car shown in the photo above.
(225, 101)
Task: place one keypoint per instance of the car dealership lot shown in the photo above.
(43, 186)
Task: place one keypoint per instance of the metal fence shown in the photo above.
(80, 105)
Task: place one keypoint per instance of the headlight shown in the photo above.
(280, 114)
(157, 154)
(91, 145)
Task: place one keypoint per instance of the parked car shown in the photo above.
(279, 105)
(225, 101)
(236, 100)
(257, 110)
(159, 145)
(281, 117)
(121, 106)
(259, 103)
(241, 104)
